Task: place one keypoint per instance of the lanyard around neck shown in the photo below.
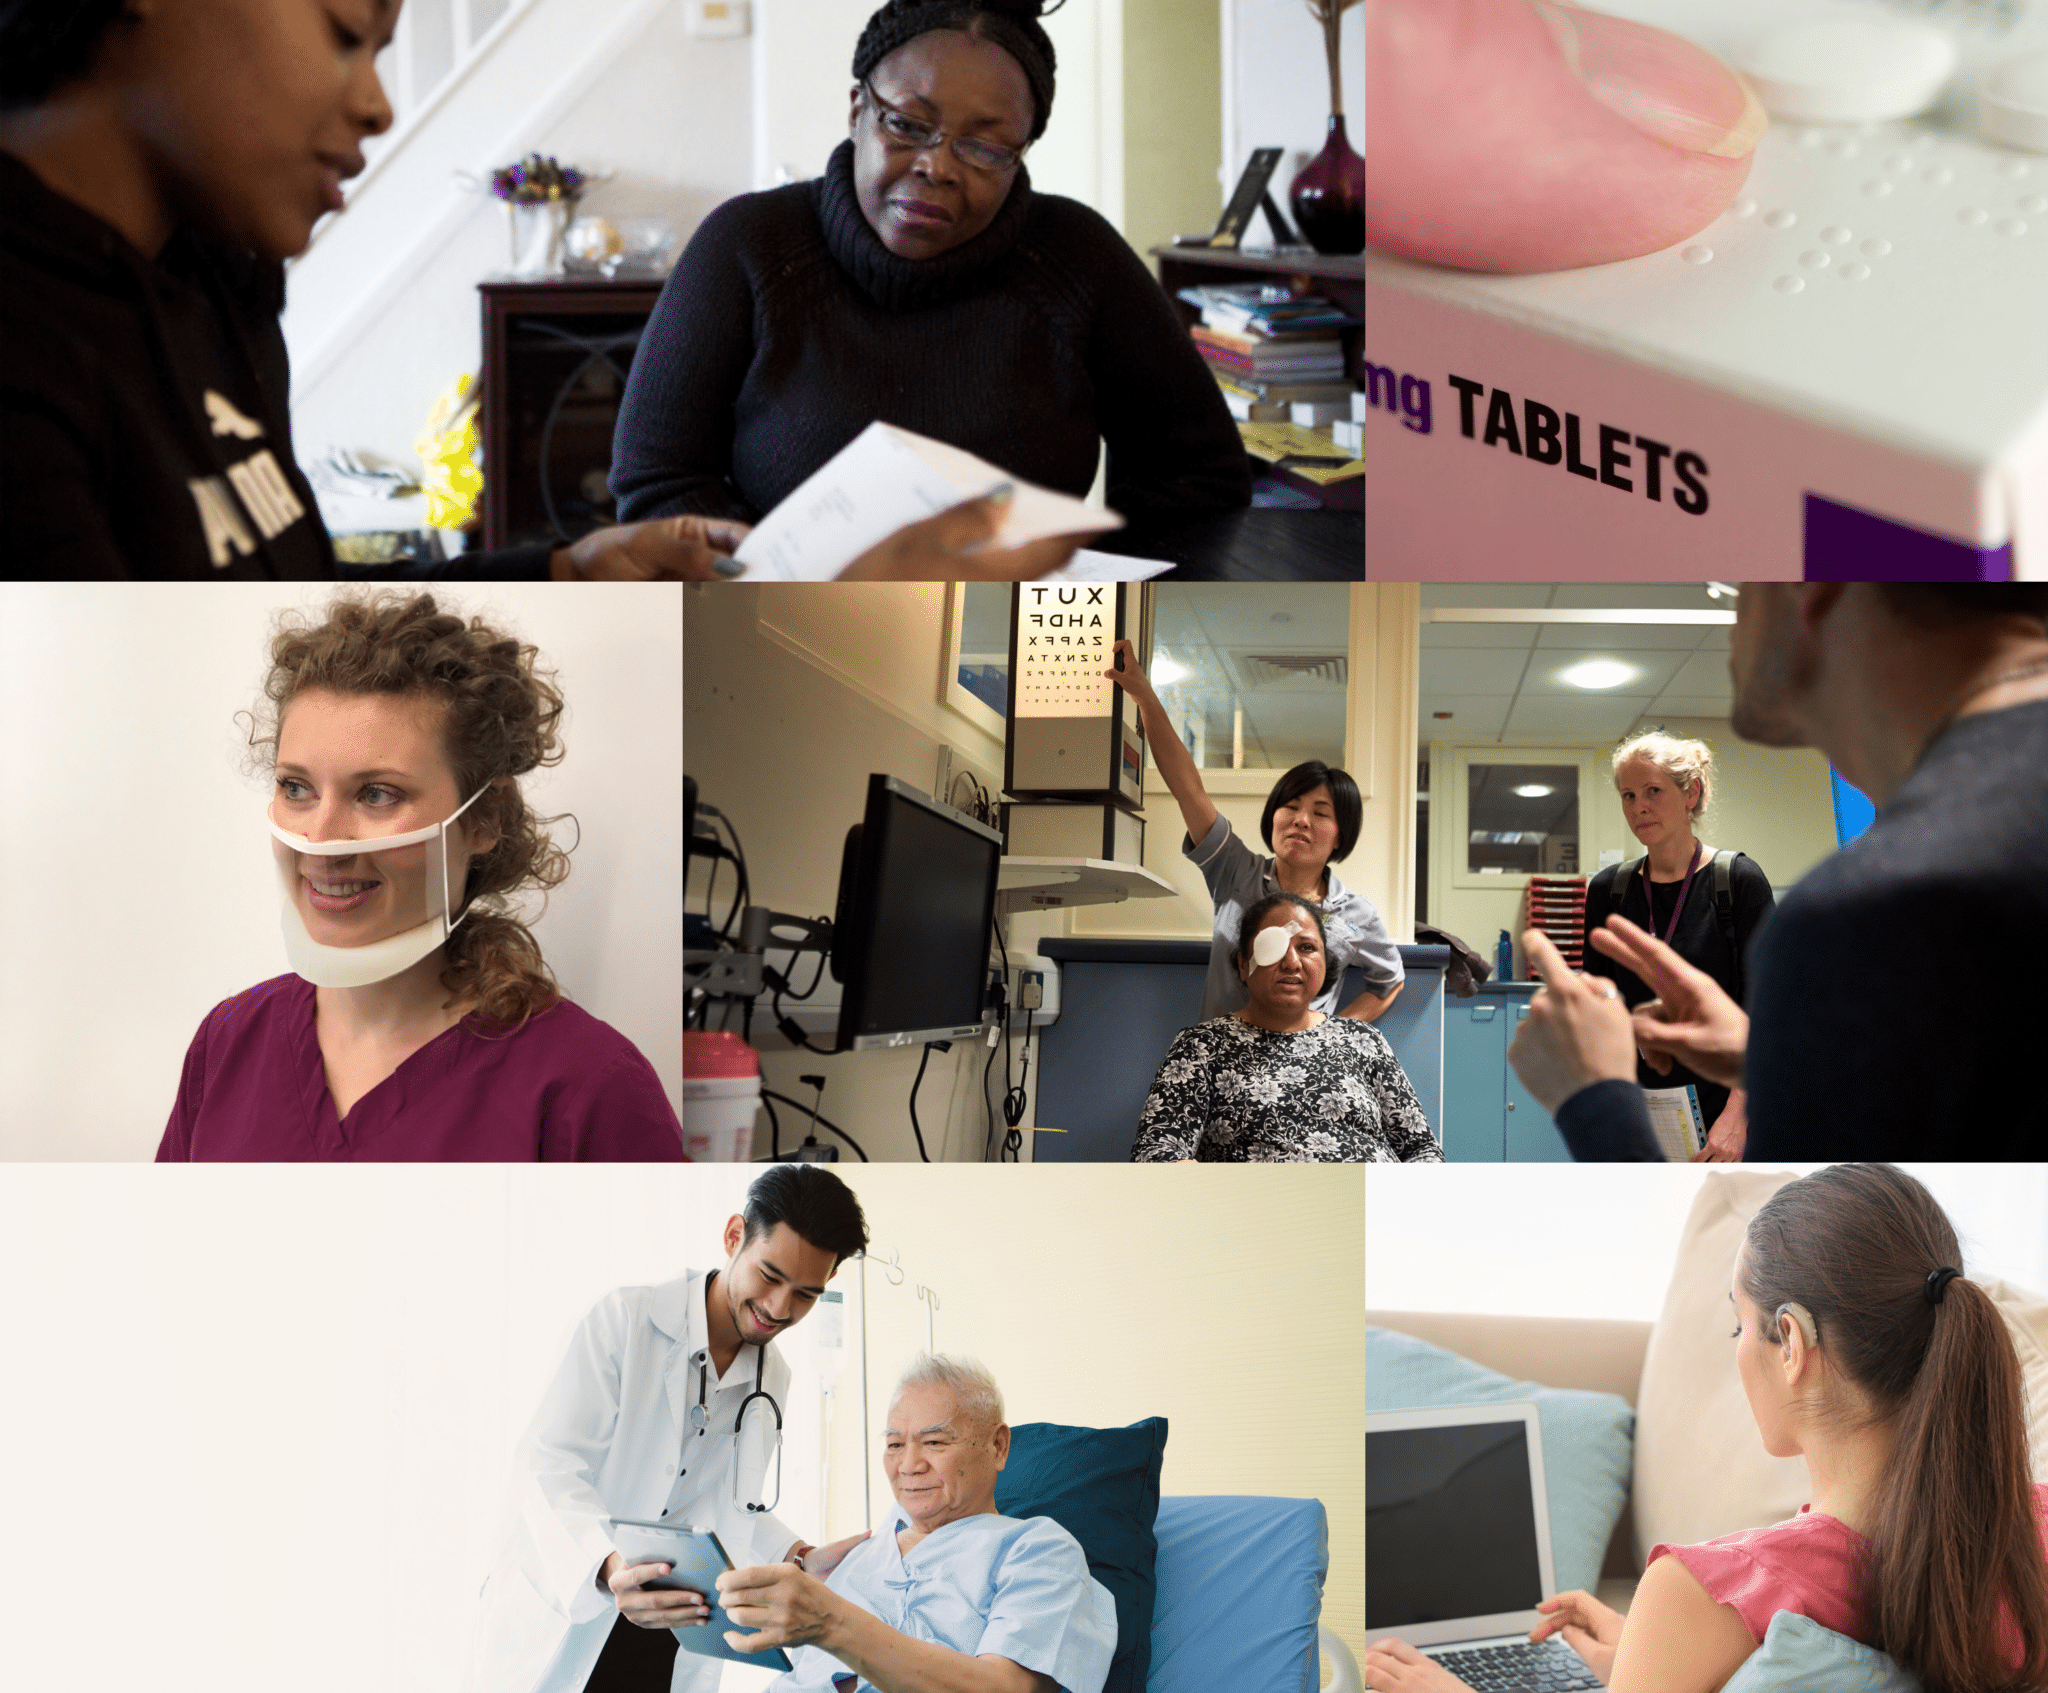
(1684, 888)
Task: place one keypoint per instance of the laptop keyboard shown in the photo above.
(1551, 1667)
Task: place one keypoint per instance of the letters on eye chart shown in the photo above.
(1065, 641)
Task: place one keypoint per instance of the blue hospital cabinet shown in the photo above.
(1488, 1115)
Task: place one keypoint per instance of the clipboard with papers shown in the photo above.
(697, 1560)
(1676, 1121)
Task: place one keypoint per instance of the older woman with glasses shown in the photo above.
(920, 281)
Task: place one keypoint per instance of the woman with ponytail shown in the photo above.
(1864, 1349)
(420, 1020)
(922, 282)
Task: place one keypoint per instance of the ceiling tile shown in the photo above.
(1457, 670)
(1584, 718)
(1702, 673)
(1473, 717)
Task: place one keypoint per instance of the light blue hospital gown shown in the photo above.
(983, 1585)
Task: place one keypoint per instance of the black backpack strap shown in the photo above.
(1724, 913)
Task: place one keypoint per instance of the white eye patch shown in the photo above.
(1269, 946)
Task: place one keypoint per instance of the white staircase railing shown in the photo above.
(434, 40)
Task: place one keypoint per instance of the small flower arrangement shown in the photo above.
(535, 180)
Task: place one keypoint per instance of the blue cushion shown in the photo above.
(1588, 1438)
(1102, 1486)
(1799, 1655)
(1240, 1593)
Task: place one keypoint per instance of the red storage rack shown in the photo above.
(1556, 905)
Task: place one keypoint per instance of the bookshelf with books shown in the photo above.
(1283, 337)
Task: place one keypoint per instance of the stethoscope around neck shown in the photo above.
(699, 1423)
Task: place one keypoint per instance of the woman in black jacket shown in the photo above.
(921, 281)
(1705, 905)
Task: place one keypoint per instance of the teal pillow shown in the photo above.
(1102, 1486)
(1588, 1438)
(1798, 1655)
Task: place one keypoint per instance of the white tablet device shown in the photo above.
(697, 1560)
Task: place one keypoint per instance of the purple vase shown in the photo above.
(1329, 196)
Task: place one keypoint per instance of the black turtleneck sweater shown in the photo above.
(145, 419)
(787, 328)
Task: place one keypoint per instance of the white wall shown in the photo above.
(1276, 88)
(291, 1396)
(1593, 1240)
(382, 313)
(136, 886)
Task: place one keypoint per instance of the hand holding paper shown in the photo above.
(888, 480)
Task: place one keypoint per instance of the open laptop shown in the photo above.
(1457, 1545)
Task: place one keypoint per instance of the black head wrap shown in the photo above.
(45, 43)
(1011, 24)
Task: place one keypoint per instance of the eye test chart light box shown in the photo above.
(1844, 377)
(1072, 732)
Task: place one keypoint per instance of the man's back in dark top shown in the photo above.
(1900, 986)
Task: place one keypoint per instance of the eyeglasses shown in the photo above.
(900, 129)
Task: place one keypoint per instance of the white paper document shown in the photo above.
(1088, 565)
(1676, 1122)
(885, 478)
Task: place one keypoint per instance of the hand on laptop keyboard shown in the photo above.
(1394, 1666)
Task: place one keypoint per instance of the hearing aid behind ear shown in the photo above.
(1800, 1315)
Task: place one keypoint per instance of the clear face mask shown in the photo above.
(402, 894)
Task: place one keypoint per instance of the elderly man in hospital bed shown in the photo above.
(949, 1596)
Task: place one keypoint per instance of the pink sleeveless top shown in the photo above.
(1811, 1564)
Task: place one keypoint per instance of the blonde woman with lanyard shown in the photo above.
(1312, 816)
(1704, 904)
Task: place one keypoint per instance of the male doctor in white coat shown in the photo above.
(616, 1439)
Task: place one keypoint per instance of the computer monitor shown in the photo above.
(910, 938)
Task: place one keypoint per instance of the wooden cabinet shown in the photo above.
(556, 356)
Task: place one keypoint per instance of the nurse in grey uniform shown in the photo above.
(1312, 817)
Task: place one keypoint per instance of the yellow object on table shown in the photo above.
(453, 480)
(1276, 442)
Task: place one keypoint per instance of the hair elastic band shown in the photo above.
(1937, 1283)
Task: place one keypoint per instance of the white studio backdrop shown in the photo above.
(1599, 1240)
(286, 1401)
(136, 889)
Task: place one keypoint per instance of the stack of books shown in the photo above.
(1271, 350)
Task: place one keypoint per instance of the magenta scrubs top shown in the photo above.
(565, 1087)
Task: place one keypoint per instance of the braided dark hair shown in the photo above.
(1010, 24)
(46, 43)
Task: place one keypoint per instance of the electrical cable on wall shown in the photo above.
(822, 1122)
(942, 1046)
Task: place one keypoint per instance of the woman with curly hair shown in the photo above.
(921, 281)
(420, 1020)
